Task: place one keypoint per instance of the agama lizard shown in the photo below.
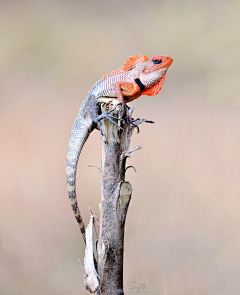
(137, 76)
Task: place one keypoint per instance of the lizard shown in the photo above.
(139, 75)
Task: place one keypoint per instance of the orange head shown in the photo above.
(152, 73)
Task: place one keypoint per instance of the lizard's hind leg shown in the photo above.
(109, 117)
(93, 110)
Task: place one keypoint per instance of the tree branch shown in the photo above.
(115, 199)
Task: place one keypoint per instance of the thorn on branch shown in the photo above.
(80, 264)
(149, 121)
(130, 167)
(135, 149)
(92, 166)
(128, 153)
(130, 111)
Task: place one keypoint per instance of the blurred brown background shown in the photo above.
(183, 224)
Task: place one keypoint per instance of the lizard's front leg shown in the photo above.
(129, 90)
(126, 91)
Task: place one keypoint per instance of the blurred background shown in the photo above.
(183, 224)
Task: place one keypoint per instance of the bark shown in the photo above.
(115, 199)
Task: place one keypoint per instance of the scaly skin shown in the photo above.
(137, 76)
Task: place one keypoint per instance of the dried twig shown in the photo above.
(107, 276)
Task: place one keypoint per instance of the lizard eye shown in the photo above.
(145, 71)
(157, 61)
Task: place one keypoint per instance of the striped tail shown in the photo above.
(81, 129)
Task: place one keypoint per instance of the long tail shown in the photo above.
(79, 134)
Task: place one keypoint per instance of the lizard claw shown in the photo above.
(128, 119)
(108, 117)
(131, 121)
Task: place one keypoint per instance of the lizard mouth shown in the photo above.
(167, 62)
